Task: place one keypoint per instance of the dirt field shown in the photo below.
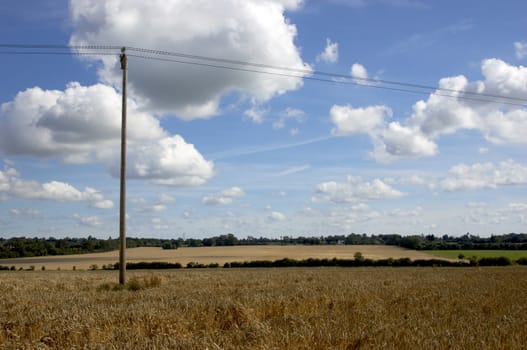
(219, 255)
(263, 309)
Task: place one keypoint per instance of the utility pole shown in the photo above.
(122, 213)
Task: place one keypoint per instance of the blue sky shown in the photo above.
(213, 151)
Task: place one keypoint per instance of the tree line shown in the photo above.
(26, 247)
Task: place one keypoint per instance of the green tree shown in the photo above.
(358, 256)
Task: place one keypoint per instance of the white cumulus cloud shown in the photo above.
(255, 114)
(289, 114)
(505, 127)
(484, 175)
(165, 198)
(503, 78)
(276, 216)
(349, 120)
(13, 186)
(417, 211)
(355, 190)
(330, 53)
(453, 107)
(498, 122)
(83, 123)
(242, 30)
(442, 115)
(152, 208)
(91, 221)
(359, 73)
(521, 49)
(397, 141)
(76, 123)
(176, 163)
(223, 197)
(29, 212)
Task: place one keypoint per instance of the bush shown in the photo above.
(311, 262)
(195, 265)
(133, 284)
(521, 261)
(500, 261)
(168, 245)
(402, 262)
(143, 265)
(358, 256)
(285, 262)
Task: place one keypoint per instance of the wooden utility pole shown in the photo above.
(122, 213)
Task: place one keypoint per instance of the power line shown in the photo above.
(239, 65)
(57, 53)
(348, 81)
(59, 46)
(316, 72)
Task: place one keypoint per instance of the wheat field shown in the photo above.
(288, 308)
(221, 255)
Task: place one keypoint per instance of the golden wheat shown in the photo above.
(299, 308)
(219, 255)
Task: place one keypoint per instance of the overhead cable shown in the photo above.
(252, 67)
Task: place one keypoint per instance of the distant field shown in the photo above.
(453, 254)
(260, 309)
(219, 255)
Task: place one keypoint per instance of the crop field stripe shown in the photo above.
(454, 254)
(300, 308)
(218, 255)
